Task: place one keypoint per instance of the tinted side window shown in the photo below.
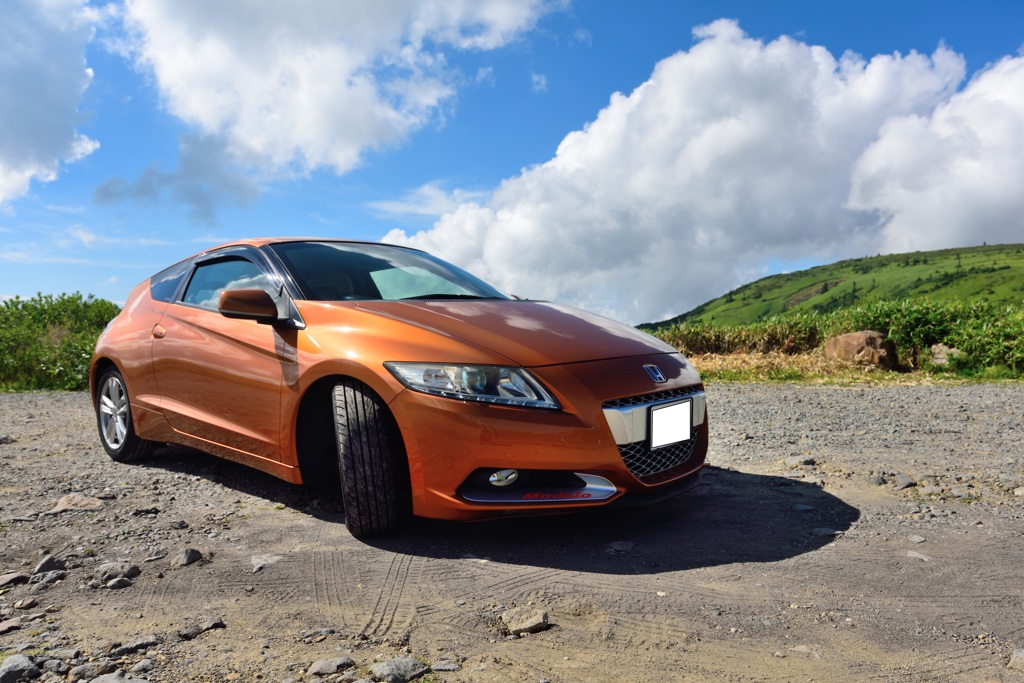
(164, 284)
(210, 279)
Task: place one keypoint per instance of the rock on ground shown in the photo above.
(18, 668)
(399, 670)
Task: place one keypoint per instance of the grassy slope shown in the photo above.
(988, 273)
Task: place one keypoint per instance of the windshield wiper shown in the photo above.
(445, 296)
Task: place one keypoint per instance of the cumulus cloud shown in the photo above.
(43, 71)
(953, 177)
(734, 153)
(297, 86)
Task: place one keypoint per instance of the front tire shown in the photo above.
(114, 419)
(371, 462)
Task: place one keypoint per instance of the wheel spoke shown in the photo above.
(110, 432)
(107, 406)
(114, 412)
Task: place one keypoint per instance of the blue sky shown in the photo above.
(635, 159)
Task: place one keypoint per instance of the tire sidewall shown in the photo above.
(371, 463)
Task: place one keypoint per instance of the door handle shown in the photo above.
(159, 332)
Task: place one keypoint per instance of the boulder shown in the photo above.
(942, 354)
(327, 667)
(13, 578)
(49, 564)
(867, 347)
(399, 670)
(108, 571)
(185, 557)
(520, 620)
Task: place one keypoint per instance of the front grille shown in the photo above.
(643, 463)
(651, 398)
(653, 466)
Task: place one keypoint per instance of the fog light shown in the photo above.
(503, 477)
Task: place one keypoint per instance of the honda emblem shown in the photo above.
(656, 374)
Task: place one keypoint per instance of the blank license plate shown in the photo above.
(670, 424)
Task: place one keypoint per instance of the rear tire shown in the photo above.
(371, 462)
(114, 420)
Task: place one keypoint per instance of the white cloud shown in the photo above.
(583, 37)
(954, 177)
(297, 86)
(43, 72)
(80, 245)
(733, 153)
(429, 200)
(538, 82)
(75, 238)
(37, 256)
(86, 237)
(485, 76)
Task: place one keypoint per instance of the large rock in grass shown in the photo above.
(942, 354)
(867, 347)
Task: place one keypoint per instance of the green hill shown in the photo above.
(993, 274)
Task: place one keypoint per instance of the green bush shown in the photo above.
(46, 342)
(992, 341)
(790, 334)
(991, 337)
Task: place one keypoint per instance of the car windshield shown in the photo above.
(343, 271)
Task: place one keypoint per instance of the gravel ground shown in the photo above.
(862, 533)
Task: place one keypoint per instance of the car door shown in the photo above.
(220, 378)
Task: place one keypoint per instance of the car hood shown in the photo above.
(531, 333)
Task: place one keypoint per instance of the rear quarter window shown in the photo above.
(164, 285)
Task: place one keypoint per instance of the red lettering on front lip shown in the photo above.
(561, 495)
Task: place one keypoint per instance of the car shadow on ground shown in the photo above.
(731, 517)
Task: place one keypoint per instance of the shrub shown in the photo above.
(991, 337)
(46, 342)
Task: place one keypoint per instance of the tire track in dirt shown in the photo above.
(331, 596)
(390, 605)
(370, 592)
(961, 663)
(331, 573)
(483, 591)
(940, 582)
(486, 592)
(155, 594)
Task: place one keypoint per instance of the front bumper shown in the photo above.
(595, 451)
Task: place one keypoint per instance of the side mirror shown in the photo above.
(248, 304)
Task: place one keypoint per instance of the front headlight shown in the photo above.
(485, 383)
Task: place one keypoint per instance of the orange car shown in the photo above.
(420, 388)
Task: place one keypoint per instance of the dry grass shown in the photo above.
(811, 367)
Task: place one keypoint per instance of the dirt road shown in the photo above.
(860, 534)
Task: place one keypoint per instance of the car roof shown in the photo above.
(263, 241)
